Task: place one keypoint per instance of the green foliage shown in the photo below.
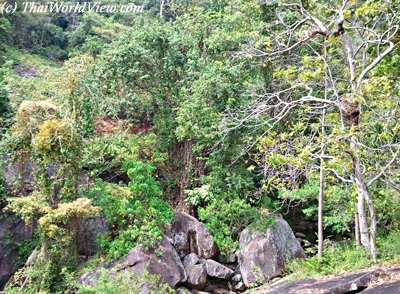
(5, 107)
(93, 33)
(57, 232)
(39, 34)
(25, 248)
(5, 28)
(127, 283)
(171, 90)
(2, 192)
(136, 213)
(389, 245)
(338, 215)
(226, 217)
(108, 153)
(44, 277)
(336, 259)
(344, 257)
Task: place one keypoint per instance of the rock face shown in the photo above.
(18, 177)
(12, 232)
(191, 236)
(88, 233)
(163, 261)
(263, 254)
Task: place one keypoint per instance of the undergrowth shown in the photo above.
(345, 257)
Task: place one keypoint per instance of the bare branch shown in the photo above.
(343, 179)
(374, 63)
(382, 172)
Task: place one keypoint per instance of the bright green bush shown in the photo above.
(135, 213)
(336, 259)
(226, 218)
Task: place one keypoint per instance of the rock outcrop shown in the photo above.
(88, 234)
(263, 253)
(187, 259)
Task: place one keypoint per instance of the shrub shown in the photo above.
(336, 259)
(135, 213)
(226, 218)
(55, 138)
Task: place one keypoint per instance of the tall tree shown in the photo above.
(358, 36)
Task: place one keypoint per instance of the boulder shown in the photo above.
(217, 270)
(190, 259)
(263, 253)
(190, 236)
(162, 261)
(196, 276)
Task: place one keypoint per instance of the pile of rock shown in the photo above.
(188, 260)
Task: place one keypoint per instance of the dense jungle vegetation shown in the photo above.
(231, 111)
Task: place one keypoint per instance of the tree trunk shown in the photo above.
(320, 211)
(372, 226)
(362, 221)
(367, 237)
(321, 192)
(357, 230)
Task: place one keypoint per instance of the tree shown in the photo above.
(357, 37)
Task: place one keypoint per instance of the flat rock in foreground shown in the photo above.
(359, 282)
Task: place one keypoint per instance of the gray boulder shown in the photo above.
(190, 236)
(196, 276)
(13, 231)
(162, 261)
(263, 253)
(217, 270)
